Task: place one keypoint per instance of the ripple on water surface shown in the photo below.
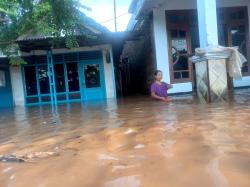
(135, 142)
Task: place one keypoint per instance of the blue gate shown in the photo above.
(63, 78)
(6, 98)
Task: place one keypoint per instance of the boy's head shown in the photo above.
(158, 75)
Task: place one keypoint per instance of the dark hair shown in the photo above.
(156, 72)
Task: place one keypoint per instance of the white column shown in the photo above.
(161, 42)
(17, 85)
(207, 16)
(109, 73)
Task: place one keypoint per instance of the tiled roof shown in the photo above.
(89, 27)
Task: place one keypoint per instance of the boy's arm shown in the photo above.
(169, 86)
(156, 96)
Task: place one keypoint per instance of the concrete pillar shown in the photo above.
(17, 85)
(161, 43)
(109, 73)
(207, 17)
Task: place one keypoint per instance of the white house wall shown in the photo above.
(109, 73)
(17, 85)
(161, 42)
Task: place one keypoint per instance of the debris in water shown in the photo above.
(137, 157)
(12, 177)
(129, 131)
(27, 157)
(115, 168)
(129, 181)
(39, 155)
(7, 170)
(139, 146)
(106, 157)
(11, 158)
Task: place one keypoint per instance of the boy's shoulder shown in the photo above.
(153, 84)
(164, 83)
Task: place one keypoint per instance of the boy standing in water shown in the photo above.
(159, 89)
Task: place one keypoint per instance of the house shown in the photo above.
(177, 27)
(61, 75)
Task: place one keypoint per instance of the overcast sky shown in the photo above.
(103, 12)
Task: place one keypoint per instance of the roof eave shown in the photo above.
(106, 38)
(132, 6)
(136, 7)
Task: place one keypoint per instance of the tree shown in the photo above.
(54, 18)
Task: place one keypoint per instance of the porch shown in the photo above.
(178, 27)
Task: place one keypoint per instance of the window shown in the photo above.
(238, 34)
(180, 45)
(73, 78)
(180, 48)
(59, 78)
(43, 79)
(38, 87)
(178, 34)
(236, 15)
(2, 79)
(92, 75)
(233, 31)
(177, 18)
(30, 80)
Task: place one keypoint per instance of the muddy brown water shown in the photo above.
(134, 142)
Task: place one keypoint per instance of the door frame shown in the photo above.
(7, 89)
(233, 23)
(83, 88)
(177, 26)
(190, 14)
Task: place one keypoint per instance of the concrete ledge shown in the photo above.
(242, 83)
(182, 93)
(181, 88)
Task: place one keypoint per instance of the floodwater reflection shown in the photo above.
(134, 142)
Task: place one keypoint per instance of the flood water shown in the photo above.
(134, 142)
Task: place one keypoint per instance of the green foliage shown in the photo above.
(71, 42)
(17, 61)
(53, 18)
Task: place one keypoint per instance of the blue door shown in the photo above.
(6, 99)
(92, 80)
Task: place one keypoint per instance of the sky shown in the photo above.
(103, 12)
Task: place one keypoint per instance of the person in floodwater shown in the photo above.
(159, 89)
